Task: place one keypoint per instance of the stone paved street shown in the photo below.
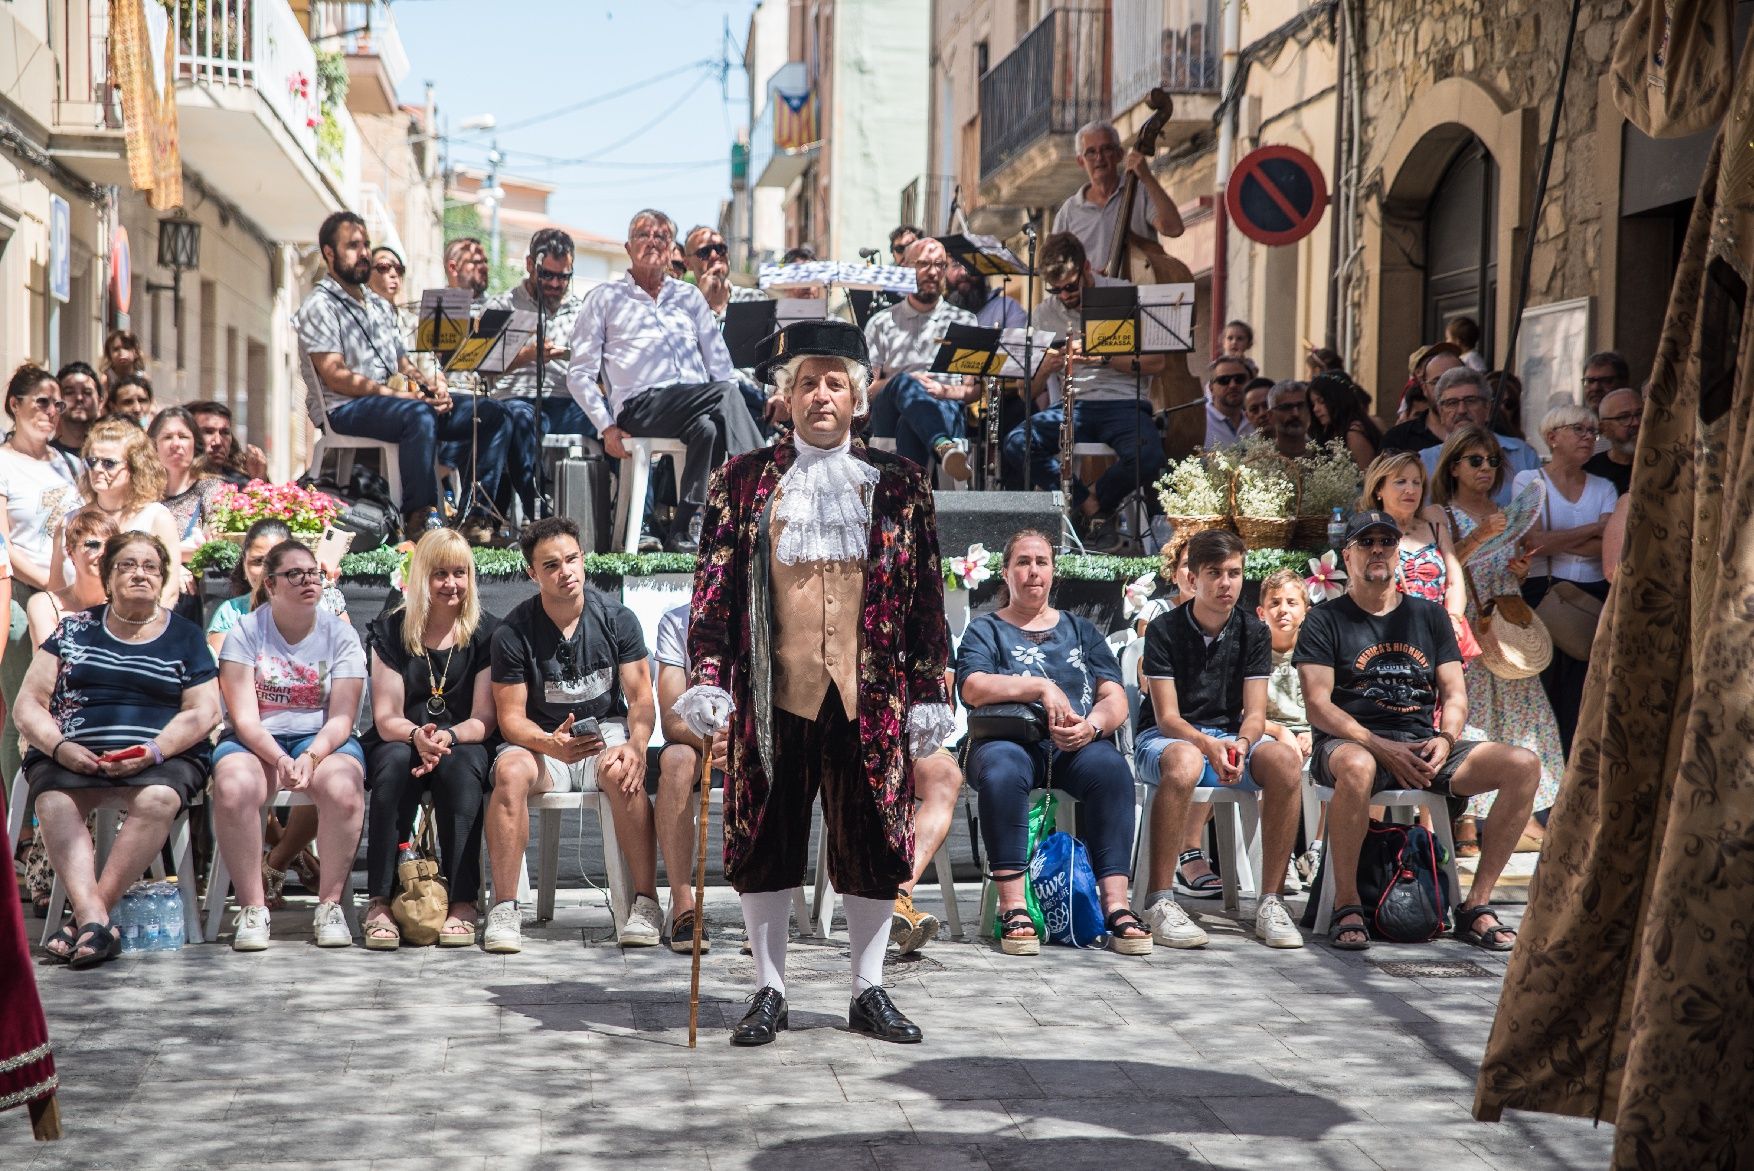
(574, 1054)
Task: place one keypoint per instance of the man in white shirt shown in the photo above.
(1090, 212)
(920, 411)
(665, 369)
(1226, 380)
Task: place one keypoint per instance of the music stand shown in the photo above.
(749, 323)
(444, 321)
(496, 336)
(983, 255)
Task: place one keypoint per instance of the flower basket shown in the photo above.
(1187, 526)
(1309, 532)
(306, 511)
(1265, 532)
(308, 540)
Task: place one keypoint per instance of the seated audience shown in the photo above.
(1028, 652)
(117, 708)
(1427, 566)
(1335, 413)
(130, 399)
(1464, 400)
(124, 479)
(1284, 605)
(1376, 666)
(1202, 723)
(85, 534)
(292, 676)
(434, 730)
(221, 454)
(570, 658)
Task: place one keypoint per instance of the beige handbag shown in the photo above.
(1514, 642)
(421, 900)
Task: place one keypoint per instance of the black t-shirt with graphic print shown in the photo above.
(580, 675)
(1385, 665)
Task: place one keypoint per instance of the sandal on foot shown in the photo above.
(1017, 919)
(1497, 937)
(1121, 919)
(1206, 886)
(104, 941)
(381, 942)
(450, 936)
(1359, 930)
(67, 936)
(682, 936)
(273, 887)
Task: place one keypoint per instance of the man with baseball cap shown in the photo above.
(1377, 666)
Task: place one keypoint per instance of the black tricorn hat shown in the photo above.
(825, 338)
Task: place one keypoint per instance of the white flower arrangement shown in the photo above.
(1330, 479)
(1198, 485)
(1264, 487)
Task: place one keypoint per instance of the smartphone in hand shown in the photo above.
(332, 548)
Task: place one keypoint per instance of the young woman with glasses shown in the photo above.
(292, 676)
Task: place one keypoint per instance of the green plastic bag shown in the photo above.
(1041, 824)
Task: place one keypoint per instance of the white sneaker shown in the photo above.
(1293, 883)
(645, 924)
(953, 455)
(1171, 926)
(505, 929)
(1273, 924)
(250, 931)
(331, 925)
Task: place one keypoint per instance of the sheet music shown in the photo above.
(497, 338)
(790, 309)
(823, 273)
(1166, 318)
(449, 307)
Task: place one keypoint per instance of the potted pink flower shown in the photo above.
(306, 511)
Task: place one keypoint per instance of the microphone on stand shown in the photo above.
(867, 254)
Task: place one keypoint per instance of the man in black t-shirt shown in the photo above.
(1202, 720)
(573, 691)
(1376, 665)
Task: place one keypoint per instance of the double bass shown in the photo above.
(1143, 261)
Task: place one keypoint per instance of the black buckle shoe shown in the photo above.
(765, 1019)
(875, 1015)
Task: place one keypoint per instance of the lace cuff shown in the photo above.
(704, 709)
(929, 725)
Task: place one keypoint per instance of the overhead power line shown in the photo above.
(563, 111)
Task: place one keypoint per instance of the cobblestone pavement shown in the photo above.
(574, 1054)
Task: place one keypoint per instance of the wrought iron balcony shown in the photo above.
(1056, 80)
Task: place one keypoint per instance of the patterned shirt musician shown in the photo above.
(904, 340)
(557, 324)
(367, 336)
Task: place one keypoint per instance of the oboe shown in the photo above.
(992, 406)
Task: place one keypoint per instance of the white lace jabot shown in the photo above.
(825, 504)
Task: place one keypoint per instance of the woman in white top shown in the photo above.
(1566, 544)
(292, 675)
(124, 480)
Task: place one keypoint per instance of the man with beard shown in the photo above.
(920, 411)
(1377, 666)
(1225, 421)
(548, 283)
(1621, 413)
(901, 239)
(992, 307)
(1290, 404)
(1109, 406)
(80, 400)
(220, 454)
(665, 369)
(360, 381)
(1090, 212)
(1256, 405)
(709, 260)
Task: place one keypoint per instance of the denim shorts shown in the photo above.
(230, 745)
(1151, 744)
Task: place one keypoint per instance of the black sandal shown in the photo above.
(1013, 920)
(682, 936)
(66, 935)
(1491, 939)
(1119, 920)
(1337, 929)
(104, 940)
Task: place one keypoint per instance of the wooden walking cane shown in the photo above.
(706, 788)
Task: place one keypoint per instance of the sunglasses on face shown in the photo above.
(1230, 379)
(43, 402)
(104, 463)
(1376, 542)
(707, 251)
(1062, 290)
(1480, 461)
(558, 278)
(389, 266)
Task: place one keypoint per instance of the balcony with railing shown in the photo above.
(1172, 44)
(365, 33)
(1032, 103)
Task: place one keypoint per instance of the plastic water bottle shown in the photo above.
(128, 920)
(152, 925)
(172, 933)
(1337, 528)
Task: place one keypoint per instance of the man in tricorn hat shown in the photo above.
(818, 636)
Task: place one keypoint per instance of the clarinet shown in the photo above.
(1068, 434)
(992, 404)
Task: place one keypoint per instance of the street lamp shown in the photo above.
(179, 249)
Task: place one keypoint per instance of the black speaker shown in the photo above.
(991, 517)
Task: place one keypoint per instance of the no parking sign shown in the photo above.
(1276, 195)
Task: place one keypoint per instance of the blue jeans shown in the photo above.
(230, 745)
(914, 419)
(416, 429)
(1124, 425)
(560, 416)
(1151, 744)
(1005, 774)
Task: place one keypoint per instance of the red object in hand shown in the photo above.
(122, 754)
(1233, 753)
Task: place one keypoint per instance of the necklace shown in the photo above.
(435, 702)
(135, 621)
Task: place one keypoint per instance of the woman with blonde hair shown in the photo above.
(1395, 484)
(124, 480)
(434, 730)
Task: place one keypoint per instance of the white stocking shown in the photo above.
(868, 929)
(767, 916)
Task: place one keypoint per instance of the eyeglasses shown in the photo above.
(104, 463)
(145, 568)
(300, 576)
(389, 266)
(706, 251)
(43, 402)
(1229, 379)
(91, 546)
(1581, 430)
(1376, 542)
(1622, 420)
(1062, 290)
(1480, 461)
(1470, 401)
(559, 278)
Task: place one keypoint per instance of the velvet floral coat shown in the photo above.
(904, 641)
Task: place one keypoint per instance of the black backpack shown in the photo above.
(1402, 884)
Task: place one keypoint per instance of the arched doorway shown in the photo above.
(1461, 244)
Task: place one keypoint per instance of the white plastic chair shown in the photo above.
(822, 905)
(1409, 800)
(636, 475)
(345, 446)
(1239, 841)
(219, 885)
(182, 851)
